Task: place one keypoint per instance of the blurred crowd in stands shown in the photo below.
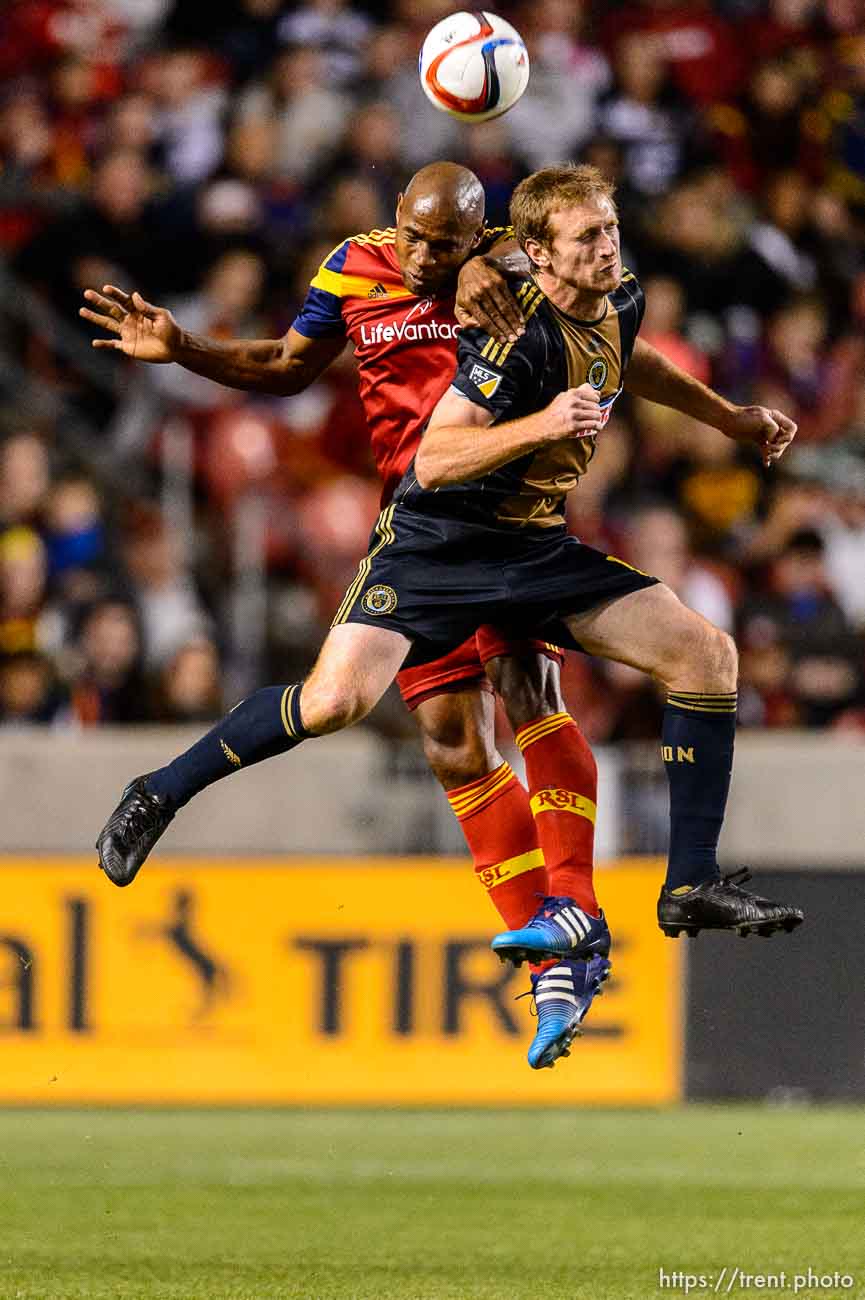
(211, 154)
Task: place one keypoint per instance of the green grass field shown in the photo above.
(373, 1205)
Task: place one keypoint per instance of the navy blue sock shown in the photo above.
(697, 745)
(265, 724)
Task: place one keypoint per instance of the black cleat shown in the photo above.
(131, 831)
(722, 905)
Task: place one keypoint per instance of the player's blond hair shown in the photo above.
(565, 185)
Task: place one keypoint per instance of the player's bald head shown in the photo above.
(439, 221)
(446, 193)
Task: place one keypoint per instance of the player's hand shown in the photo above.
(574, 413)
(484, 300)
(771, 431)
(143, 331)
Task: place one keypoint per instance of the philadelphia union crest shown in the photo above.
(379, 600)
(597, 373)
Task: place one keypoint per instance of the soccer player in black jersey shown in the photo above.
(505, 444)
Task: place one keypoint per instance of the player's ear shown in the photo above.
(399, 199)
(536, 253)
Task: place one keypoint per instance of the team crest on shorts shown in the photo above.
(485, 380)
(379, 600)
(597, 375)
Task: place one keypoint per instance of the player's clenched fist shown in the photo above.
(772, 431)
(145, 332)
(575, 413)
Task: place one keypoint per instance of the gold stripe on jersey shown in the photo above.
(375, 236)
(386, 536)
(529, 307)
(353, 286)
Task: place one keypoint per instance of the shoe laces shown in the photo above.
(530, 993)
(142, 815)
(734, 879)
(533, 1006)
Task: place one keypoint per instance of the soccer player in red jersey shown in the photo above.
(393, 293)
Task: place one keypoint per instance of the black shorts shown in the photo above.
(436, 580)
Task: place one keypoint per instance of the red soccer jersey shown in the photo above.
(405, 346)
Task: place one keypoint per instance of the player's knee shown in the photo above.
(328, 706)
(459, 764)
(529, 686)
(706, 655)
(456, 744)
(725, 660)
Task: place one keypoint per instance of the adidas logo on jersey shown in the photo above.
(377, 291)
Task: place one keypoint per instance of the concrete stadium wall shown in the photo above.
(781, 1019)
(797, 798)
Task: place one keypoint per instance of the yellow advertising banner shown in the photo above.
(319, 981)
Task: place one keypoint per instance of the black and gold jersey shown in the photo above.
(555, 353)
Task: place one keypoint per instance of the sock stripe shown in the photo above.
(706, 695)
(478, 786)
(553, 800)
(534, 731)
(482, 801)
(285, 709)
(499, 872)
(718, 705)
(469, 799)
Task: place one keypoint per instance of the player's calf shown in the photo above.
(354, 669)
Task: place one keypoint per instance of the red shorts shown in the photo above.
(464, 666)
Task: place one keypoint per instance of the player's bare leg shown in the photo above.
(507, 832)
(355, 666)
(652, 630)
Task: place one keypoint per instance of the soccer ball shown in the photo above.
(474, 66)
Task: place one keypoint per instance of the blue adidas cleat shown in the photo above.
(558, 929)
(563, 995)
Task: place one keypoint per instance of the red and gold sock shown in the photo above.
(562, 777)
(496, 819)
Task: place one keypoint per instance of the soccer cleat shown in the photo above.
(563, 995)
(558, 929)
(722, 905)
(131, 831)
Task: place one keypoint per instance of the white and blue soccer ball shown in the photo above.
(474, 66)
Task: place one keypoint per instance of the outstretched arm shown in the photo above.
(281, 366)
(652, 376)
(459, 445)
